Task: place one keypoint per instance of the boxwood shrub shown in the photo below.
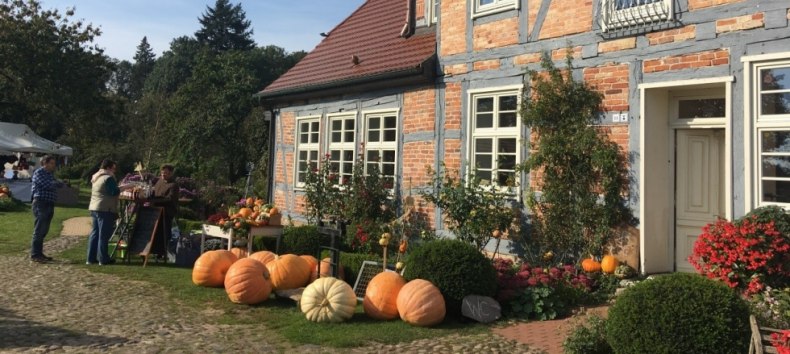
(457, 268)
(301, 240)
(678, 313)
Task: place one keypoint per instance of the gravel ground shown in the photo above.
(60, 308)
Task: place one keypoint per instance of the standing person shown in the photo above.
(166, 196)
(44, 193)
(104, 211)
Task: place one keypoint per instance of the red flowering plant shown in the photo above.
(781, 341)
(539, 292)
(747, 254)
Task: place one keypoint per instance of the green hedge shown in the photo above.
(301, 240)
(351, 262)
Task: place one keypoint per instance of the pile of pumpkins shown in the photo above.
(251, 279)
(255, 212)
(608, 265)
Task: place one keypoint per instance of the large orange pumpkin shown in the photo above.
(263, 256)
(247, 282)
(590, 265)
(381, 296)
(326, 270)
(312, 262)
(420, 303)
(245, 212)
(609, 264)
(289, 272)
(239, 252)
(210, 268)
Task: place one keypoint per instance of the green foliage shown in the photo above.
(678, 313)
(301, 240)
(771, 307)
(457, 268)
(589, 338)
(186, 225)
(352, 262)
(580, 199)
(544, 302)
(225, 27)
(473, 212)
(772, 213)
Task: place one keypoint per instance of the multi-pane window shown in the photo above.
(482, 7)
(494, 146)
(381, 145)
(432, 7)
(627, 13)
(307, 138)
(342, 130)
(773, 134)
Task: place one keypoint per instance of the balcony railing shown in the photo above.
(623, 16)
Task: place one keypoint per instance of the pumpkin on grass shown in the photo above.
(289, 272)
(247, 282)
(420, 303)
(381, 296)
(608, 264)
(210, 268)
(263, 256)
(325, 270)
(328, 300)
(312, 262)
(239, 252)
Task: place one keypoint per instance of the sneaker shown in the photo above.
(112, 261)
(49, 259)
(91, 263)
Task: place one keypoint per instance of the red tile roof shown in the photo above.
(372, 34)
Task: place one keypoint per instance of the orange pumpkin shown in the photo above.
(245, 212)
(289, 272)
(590, 265)
(312, 262)
(247, 282)
(273, 211)
(210, 268)
(608, 264)
(263, 256)
(381, 296)
(420, 303)
(239, 252)
(326, 270)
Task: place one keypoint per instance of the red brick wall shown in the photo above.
(419, 110)
(452, 154)
(674, 35)
(525, 59)
(452, 110)
(562, 53)
(612, 81)
(419, 10)
(685, 61)
(617, 44)
(495, 34)
(486, 65)
(740, 23)
(701, 4)
(453, 29)
(566, 17)
(418, 156)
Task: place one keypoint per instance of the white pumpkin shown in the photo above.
(328, 300)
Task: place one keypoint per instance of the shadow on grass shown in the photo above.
(20, 333)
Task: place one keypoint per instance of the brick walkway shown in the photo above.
(546, 335)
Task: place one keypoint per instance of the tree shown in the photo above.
(584, 178)
(143, 65)
(225, 27)
(121, 79)
(52, 76)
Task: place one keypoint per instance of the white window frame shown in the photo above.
(612, 19)
(381, 146)
(755, 124)
(432, 11)
(479, 10)
(342, 146)
(496, 133)
(310, 146)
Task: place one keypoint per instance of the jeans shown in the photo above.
(103, 227)
(42, 217)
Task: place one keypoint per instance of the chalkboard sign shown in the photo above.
(145, 230)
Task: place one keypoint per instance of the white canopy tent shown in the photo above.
(20, 138)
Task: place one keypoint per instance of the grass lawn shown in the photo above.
(279, 315)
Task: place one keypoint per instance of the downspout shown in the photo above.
(408, 27)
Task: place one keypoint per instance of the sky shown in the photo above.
(125, 22)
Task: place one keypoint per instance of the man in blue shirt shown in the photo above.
(44, 193)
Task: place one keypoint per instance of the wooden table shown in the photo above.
(256, 231)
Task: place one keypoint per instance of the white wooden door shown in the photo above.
(699, 187)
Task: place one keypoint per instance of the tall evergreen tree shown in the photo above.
(225, 27)
(144, 60)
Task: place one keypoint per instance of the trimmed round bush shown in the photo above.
(679, 313)
(457, 268)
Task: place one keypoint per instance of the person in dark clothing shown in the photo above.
(44, 193)
(166, 196)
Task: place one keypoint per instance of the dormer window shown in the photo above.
(621, 14)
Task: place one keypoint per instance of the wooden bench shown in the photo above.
(760, 342)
